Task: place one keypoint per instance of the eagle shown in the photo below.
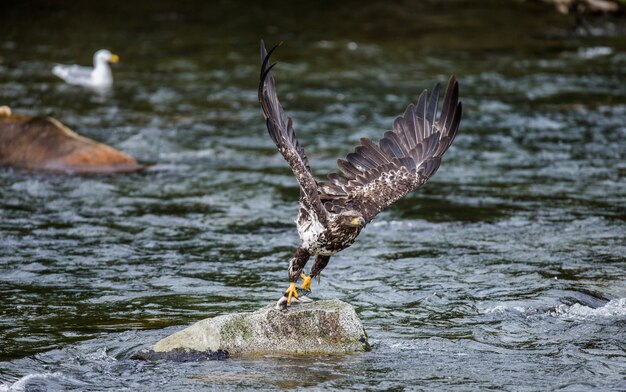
(332, 213)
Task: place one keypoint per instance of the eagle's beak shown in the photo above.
(114, 59)
(360, 222)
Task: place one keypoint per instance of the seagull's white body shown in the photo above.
(99, 76)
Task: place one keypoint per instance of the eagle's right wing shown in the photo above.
(376, 175)
(281, 130)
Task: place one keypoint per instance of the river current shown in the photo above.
(507, 271)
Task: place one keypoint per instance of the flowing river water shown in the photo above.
(507, 271)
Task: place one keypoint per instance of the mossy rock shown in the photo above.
(321, 327)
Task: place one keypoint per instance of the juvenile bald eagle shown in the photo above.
(333, 213)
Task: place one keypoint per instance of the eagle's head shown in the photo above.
(351, 219)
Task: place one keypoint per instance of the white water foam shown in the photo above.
(503, 309)
(23, 383)
(613, 308)
(593, 52)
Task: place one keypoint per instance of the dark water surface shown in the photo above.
(506, 272)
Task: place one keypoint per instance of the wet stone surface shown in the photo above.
(319, 327)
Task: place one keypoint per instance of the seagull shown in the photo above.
(99, 76)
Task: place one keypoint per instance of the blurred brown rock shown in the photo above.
(585, 6)
(44, 144)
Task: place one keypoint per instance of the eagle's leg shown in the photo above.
(319, 265)
(296, 266)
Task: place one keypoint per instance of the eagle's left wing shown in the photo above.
(280, 128)
(376, 175)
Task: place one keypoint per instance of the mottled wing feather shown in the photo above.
(376, 175)
(279, 125)
(431, 111)
(280, 128)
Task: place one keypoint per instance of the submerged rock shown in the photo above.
(45, 144)
(320, 327)
(180, 355)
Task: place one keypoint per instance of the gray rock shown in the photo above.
(320, 327)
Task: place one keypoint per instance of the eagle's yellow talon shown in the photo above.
(291, 292)
(306, 282)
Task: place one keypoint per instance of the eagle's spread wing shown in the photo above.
(281, 130)
(376, 175)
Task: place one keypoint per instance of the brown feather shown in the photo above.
(405, 158)
(280, 128)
